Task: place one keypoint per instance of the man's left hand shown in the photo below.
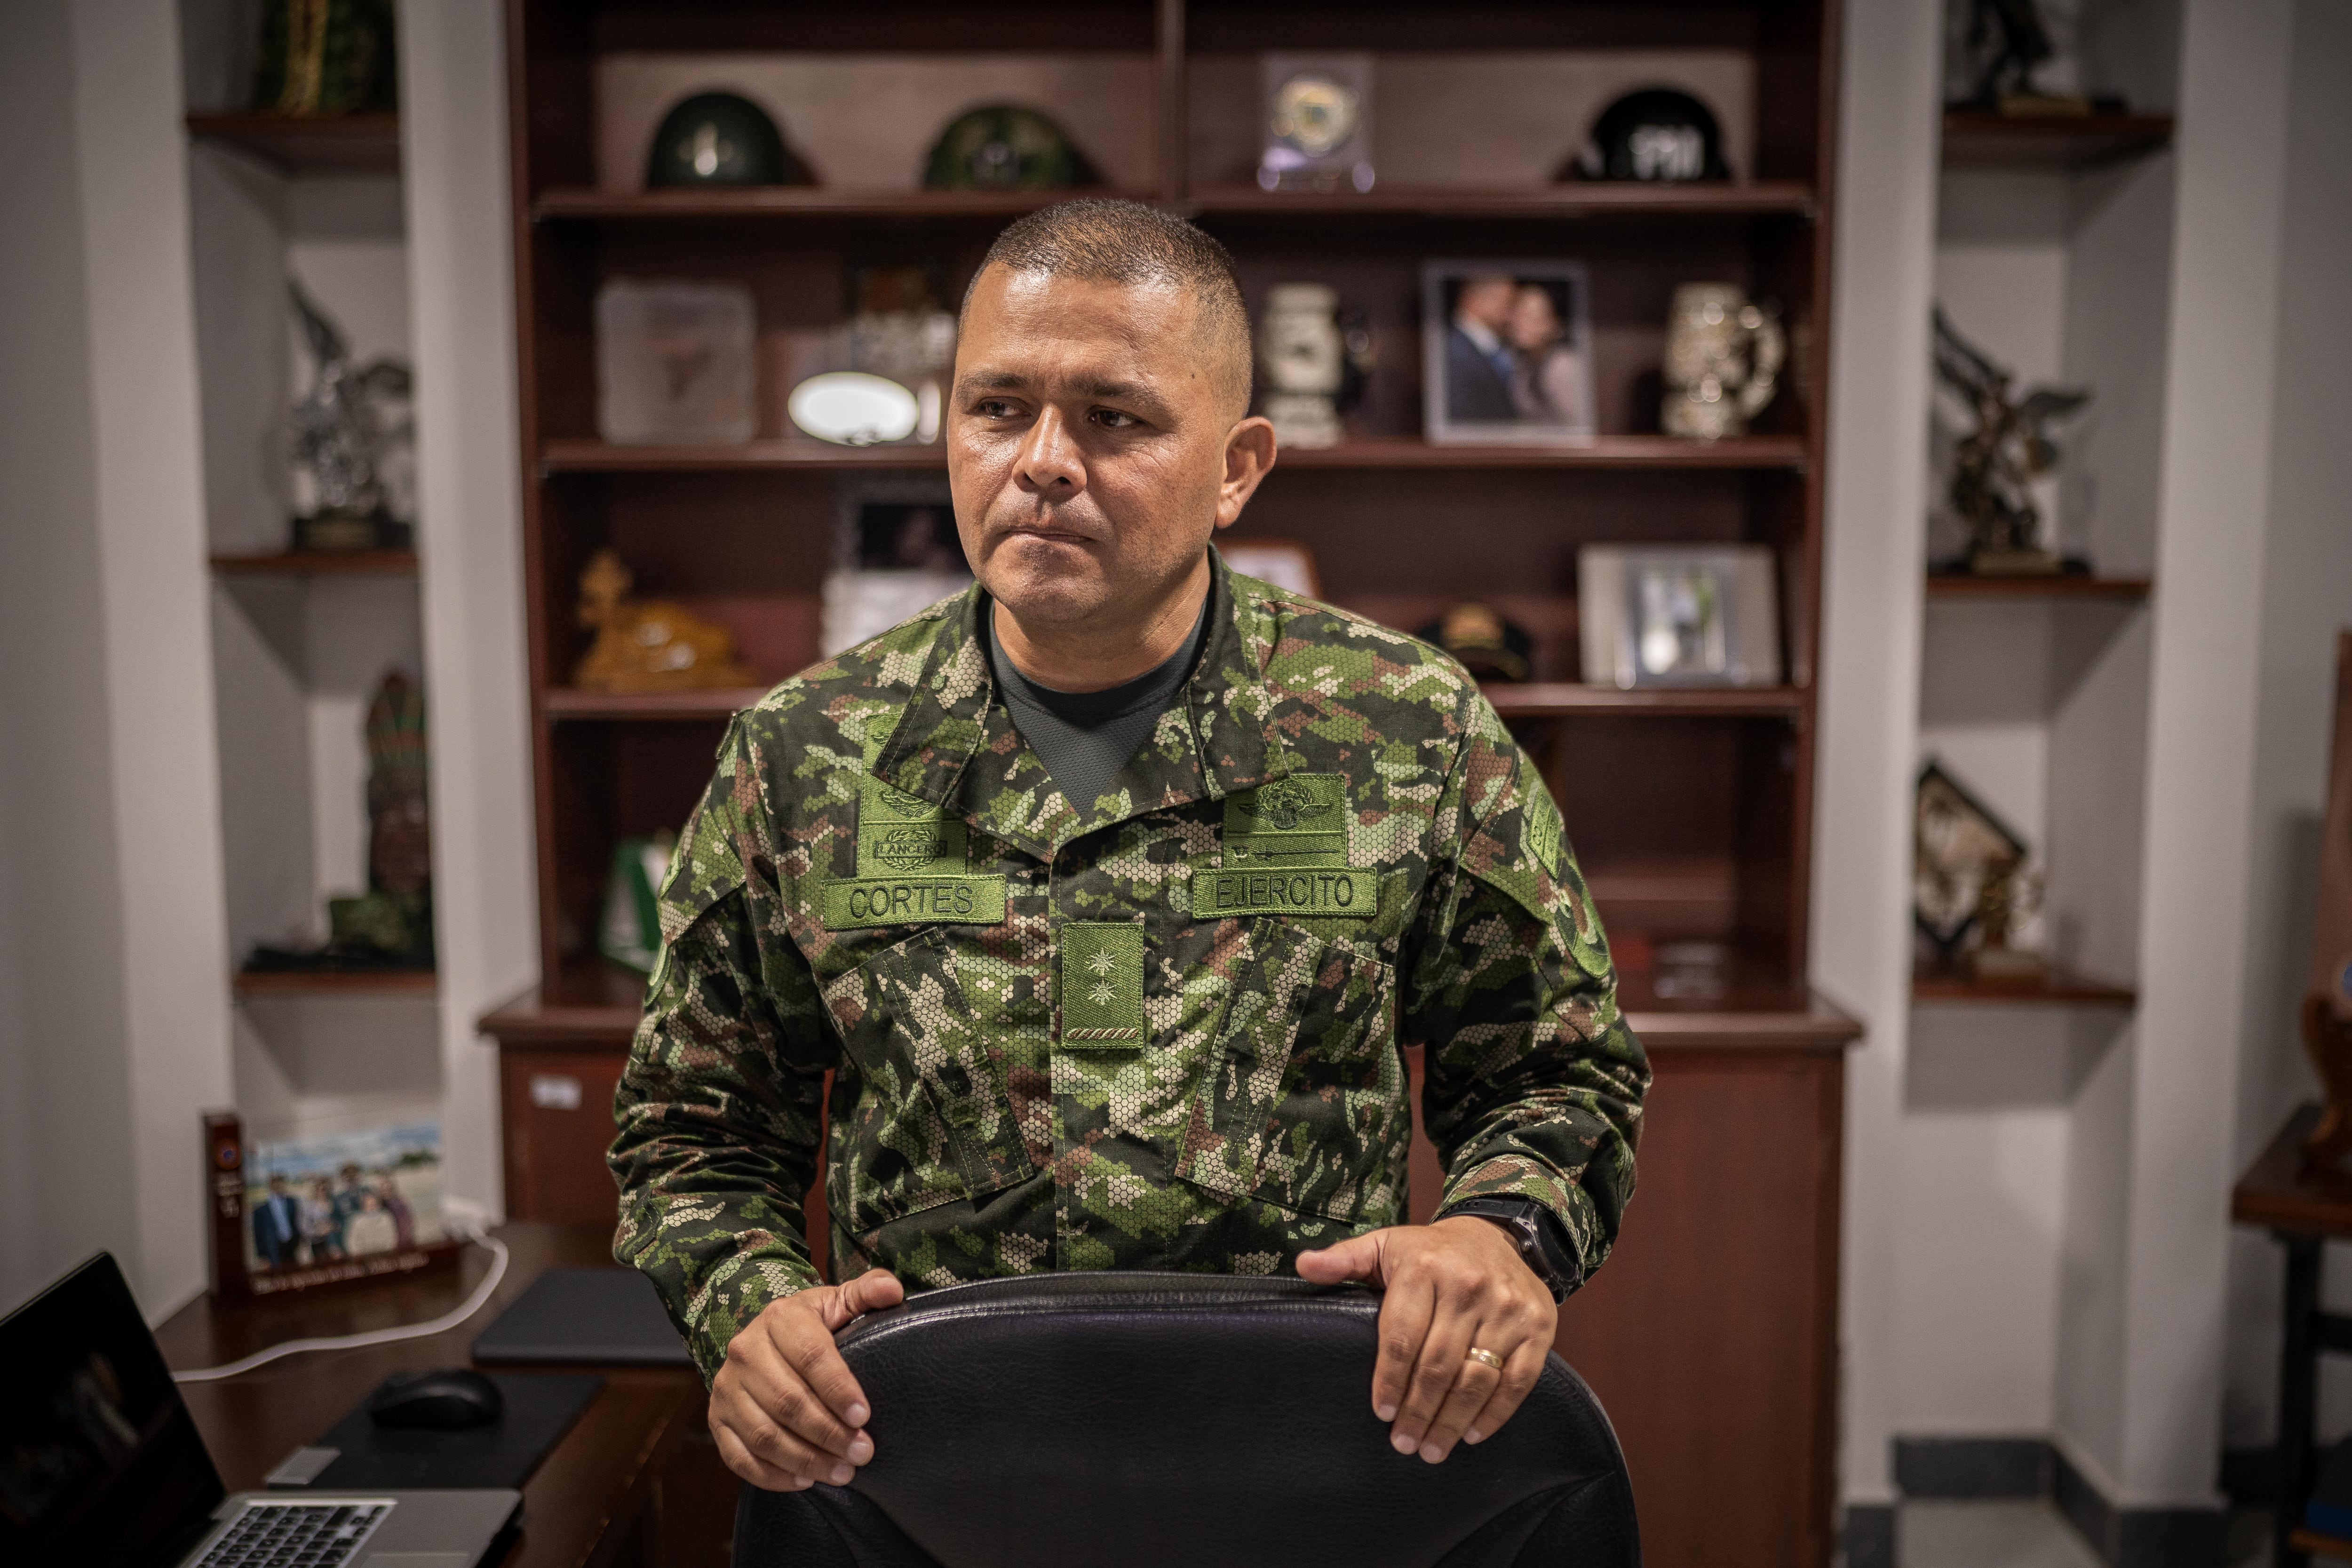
(1450, 1286)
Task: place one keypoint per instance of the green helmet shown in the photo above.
(1004, 147)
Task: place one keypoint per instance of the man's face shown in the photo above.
(1486, 300)
(1087, 434)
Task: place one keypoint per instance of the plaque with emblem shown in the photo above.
(1318, 122)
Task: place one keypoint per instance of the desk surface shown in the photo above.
(2276, 1194)
(588, 1503)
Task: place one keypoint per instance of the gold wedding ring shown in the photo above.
(1485, 1357)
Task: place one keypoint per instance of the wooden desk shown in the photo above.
(2303, 1213)
(637, 1480)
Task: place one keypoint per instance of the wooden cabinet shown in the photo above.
(1712, 1335)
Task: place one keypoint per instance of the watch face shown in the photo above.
(1314, 113)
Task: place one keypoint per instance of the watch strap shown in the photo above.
(1542, 1246)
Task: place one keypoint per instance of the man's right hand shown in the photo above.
(784, 1408)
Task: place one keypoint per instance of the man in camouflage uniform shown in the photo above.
(1157, 1028)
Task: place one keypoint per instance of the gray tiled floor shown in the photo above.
(1991, 1535)
(2029, 1535)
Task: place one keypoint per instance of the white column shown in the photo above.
(469, 537)
(2206, 673)
(2307, 598)
(1889, 129)
(163, 781)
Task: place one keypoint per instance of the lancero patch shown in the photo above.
(900, 834)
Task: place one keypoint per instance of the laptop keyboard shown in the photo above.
(294, 1535)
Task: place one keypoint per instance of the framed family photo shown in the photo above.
(1507, 353)
(295, 1214)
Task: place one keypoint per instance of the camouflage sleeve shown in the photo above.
(1534, 1084)
(720, 1109)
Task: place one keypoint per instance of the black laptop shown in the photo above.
(100, 1464)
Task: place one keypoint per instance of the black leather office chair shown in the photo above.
(1141, 1419)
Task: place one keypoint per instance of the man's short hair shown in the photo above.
(1103, 239)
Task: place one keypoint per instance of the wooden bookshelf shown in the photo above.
(714, 702)
(1692, 808)
(798, 202)
(307, 143)
(315, 563)
(1634, 452)
(1973, 140)
(1784, 197)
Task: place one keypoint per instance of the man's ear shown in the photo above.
(1249, 457)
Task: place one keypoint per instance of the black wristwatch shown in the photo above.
(1536, 1233)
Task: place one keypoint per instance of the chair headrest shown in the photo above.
(1142, 1419)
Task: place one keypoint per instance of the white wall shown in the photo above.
(1887, 132)
(2306, 596)
(65, 1156)
(118, 1012)
(454, 132)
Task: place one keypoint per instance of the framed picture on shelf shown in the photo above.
(895, 551)
(1287, 563)
(1677, 615)
(297, 1213)
(1959, 846)
(1507, 353)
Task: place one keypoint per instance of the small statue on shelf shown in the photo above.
(1995, 464)
(648, 645)
(390, 926)
(345, 431)
(2010, 898)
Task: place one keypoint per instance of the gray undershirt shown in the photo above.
(1085, 738)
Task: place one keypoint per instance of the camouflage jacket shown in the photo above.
(1158, 1031)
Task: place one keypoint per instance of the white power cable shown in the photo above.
(471, 1305)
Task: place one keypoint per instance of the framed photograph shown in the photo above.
(896, 552)
(1679, 616)
(1287, 563)
(1958, 847)
(1507, 353)
(295, 1214)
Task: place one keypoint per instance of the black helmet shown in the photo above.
(721, 139)
(1658, 133)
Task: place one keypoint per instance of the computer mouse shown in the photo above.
(446, 1399)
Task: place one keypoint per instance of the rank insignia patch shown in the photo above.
(1102, 986)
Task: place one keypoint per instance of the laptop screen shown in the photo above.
(99, 1460)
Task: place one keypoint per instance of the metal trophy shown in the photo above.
(342, 432)
(1994, 465)
(1723, 356)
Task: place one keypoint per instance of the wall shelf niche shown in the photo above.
(349, 983)
(2056, 987)
(315, 563)
(1973, 140)
(307, 143)
(1953, 587)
